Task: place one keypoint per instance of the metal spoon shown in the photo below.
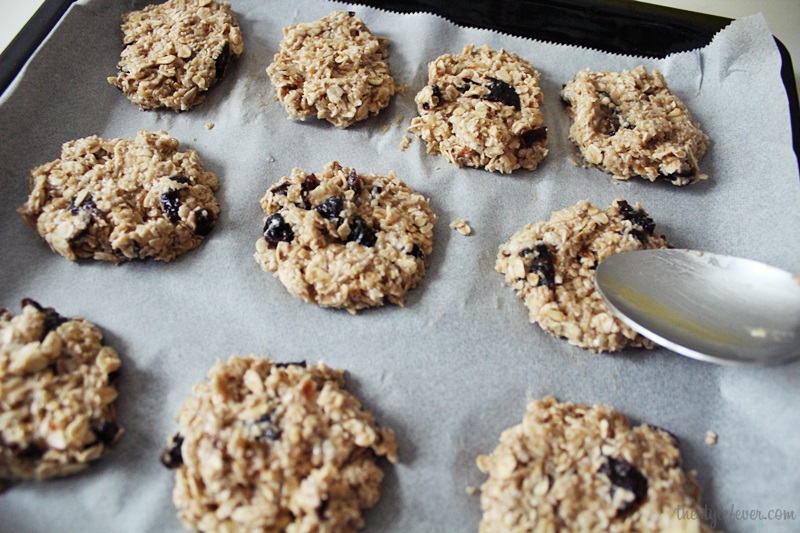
(706, 306)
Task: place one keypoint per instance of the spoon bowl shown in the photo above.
(705, 306)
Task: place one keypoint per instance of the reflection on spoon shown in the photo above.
(706, 306)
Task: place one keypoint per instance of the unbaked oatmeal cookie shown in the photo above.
(571, 467)
(339, 238)
(264, 446)
(117, 200)
(333, 68)
(56, 394)
(482, 108)
(174, 52)
(630, 124)
(551, 265)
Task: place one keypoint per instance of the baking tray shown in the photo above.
(685, 396)
(617, 26)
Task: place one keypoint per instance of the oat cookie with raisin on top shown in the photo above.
(571, 467)
(482, 108)
(551, 265)
(630, 124)
(57, 393)
(176, 51)
(265, 446)
(344, 239)
(333, 68)
(118, 199)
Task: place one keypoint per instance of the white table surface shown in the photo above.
(782, 17)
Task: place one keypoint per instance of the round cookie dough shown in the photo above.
(551, 265)
(117, 200)
(174, 52)
(343, 239)
(482, 108)
(334, 68)
(630, 124)
(265, 446)
(570, 467)
(56, 394)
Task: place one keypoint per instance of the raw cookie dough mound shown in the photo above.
(570, 467)
(344, 239)
(117, 200)
(551, 265)
(56, 394)
(630, 124)
(334, 68)
(174, 52)
(482, 108)
(265, 446)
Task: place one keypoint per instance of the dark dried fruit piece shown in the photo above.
(534, 136)
(500, 91)
(51, 317)
(625, 476)
(277, 230)
(309, 184)
(29, 451)
(637, 217)
(540, 262)
(436, 91)
(171, 456)
(416, 251)
(222, 60)
(203, 222)
(679, 178)
(170, 204)
(301, 364)
(362, 233)
(281, 188)
(180, 179)
(330, 209)
(106, 432)
(610, 124)
(267, 428)
(86, 205)
(354, 183)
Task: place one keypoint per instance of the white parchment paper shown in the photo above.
(457, 364)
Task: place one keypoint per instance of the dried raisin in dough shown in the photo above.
(265, 446)
(571, 467)
(176, 51)
(482, 108)
(117, 200)
(343, 239)
(551, 265)
(334, 68)
(56, 394)
(630, 124)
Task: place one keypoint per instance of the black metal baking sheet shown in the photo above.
(617, 26)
